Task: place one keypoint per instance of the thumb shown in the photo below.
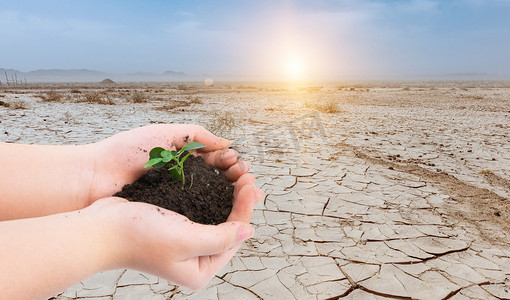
(215, 239)
(197, 133)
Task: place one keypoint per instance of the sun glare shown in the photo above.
(294, 68)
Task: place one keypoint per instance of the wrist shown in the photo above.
(107, 218)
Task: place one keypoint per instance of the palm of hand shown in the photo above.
(119, 160)
(169, 245)
(163, 242)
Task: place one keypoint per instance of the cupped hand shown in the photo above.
(119, 160)
(170, 246)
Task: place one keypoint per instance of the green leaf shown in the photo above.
(165, 153)
(156, 152)
(153, 162)
(186, 156)
(167, 159)
(193, 146)
(160, 165)
(175, 172)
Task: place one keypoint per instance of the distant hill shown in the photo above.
(52, 75)
(60, 72)
(107, 81)
(172, 73)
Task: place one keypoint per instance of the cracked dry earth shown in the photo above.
(402, 193)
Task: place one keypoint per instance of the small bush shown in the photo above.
(224, 124)
(486, 172)
(51, 96)
(326, 106)
(183, 87)
(194, 100)
(138, 97)
(98, 98)
(5, 104)
(18, 105)
(329, 106)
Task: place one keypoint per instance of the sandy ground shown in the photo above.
(373, 190)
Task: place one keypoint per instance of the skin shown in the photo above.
(62, 217)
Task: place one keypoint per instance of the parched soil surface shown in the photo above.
(374, 190)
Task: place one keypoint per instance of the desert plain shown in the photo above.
(373, 190)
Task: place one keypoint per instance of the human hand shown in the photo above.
(170, 246)
(119, 159)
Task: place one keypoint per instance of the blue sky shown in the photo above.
(260, 39)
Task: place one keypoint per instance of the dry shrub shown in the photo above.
(18, 105)
(98, 98)
(486, 172)
(183, 87)
(51, 96)
(194, 100)
(224, 124)
(330, 106)
(173, 104)
(138, 97)
(74, 91)
(14, 105)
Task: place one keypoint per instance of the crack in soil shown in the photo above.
(488, 212)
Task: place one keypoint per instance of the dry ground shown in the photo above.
(373, 190)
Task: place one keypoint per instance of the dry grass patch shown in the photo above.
(14, 105)
(51, 96)
(98, 98)
(194, 100)
(329, 106)
(225, 124)
(174, 104)
(18, 105)
(138, 97)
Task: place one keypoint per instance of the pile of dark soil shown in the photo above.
(206, 197)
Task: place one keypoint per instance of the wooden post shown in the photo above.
(6, 78)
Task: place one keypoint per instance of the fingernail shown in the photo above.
(244, 233)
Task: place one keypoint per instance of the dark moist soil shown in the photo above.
(206, 198)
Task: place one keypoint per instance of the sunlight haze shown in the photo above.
(267, 40)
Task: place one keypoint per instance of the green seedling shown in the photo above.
(160, 157)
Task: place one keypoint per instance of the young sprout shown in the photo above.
(160, 157)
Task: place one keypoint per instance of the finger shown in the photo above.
(104, 202)
(197, 272)
(244, 203)
(222, 159)
(242, 211)
(215, 239)
(245, 179)
(209, 266)
(237, 170)
(196, 133)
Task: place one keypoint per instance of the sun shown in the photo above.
(294, 68)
